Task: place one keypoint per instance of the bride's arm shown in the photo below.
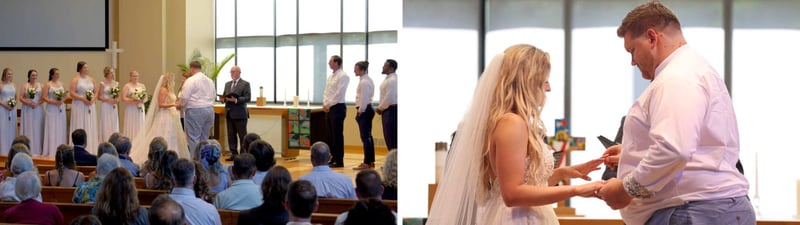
(510, 138)
(162, 95)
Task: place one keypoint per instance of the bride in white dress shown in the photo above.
(163, 120)
(499, 170)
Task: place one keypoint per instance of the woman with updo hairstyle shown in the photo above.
(83, 111)
(32, 123)
(55, 114)
(118, 201)
(209, 157)
(109, 114)
(64, 175)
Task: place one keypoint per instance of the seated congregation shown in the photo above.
(167, 189)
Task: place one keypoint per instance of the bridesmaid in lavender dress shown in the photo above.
(134, 107)
(109, 116)
(84, 114)
(32, 121)
(55, 115)
(8, 114)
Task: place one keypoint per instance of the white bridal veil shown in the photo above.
(456, 195)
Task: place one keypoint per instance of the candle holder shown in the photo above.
(260, 100)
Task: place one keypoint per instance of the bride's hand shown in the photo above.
(588, 190)
(581, 170)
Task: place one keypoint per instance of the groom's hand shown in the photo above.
(614, 194)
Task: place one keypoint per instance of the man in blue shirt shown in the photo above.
(243, 194)
(329, 184)
(197, 211)
(123, 146)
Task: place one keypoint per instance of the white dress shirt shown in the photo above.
(388, 92)
(364, 93)
(681, 140)
(335, 88)
(198, 92)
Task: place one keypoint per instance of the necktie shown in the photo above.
(234, 84)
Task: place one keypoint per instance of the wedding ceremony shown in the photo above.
(603, 112)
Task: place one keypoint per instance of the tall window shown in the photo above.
(764, 83)
(284, 45)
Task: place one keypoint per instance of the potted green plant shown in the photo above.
(210, 68)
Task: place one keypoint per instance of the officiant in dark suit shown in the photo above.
(236, 96)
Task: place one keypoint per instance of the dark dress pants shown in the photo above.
(335, 119)
(389, 119)
(237, 128)
(365, 129)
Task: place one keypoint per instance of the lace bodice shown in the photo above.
(544, 169)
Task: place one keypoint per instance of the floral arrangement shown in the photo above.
(31, 92)
(89, 95)
(12, 102)
(139, 94)
(114, 91)
(59, 94)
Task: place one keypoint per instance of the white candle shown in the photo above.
(308, 98)
(284, 97)
(798, 200)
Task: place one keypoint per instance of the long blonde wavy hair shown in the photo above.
(520, 90)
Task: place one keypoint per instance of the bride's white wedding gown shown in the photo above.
(166, 122)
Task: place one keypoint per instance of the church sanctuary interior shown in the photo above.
(441, 46)
(748, 42)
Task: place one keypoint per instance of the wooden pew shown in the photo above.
(139, 181)
(232, 217)
(64, 195)
(86, 170)
(228, 216)
(339, 205)
(140, 184)
(324, 218)
(69, 210)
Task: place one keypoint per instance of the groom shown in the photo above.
(197, 97)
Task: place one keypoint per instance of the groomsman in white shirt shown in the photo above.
(365, 113)
(336, 110)
(388, 105)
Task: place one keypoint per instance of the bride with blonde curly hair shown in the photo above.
(499, 171)
(162, 120)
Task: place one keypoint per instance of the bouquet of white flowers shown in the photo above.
(114, 92)
(12, 102)
(89, 95)
(139, 93)
(59, 94)
(32, 92)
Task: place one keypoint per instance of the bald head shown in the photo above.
(166, 211)
(236, 72)
(320, 153)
